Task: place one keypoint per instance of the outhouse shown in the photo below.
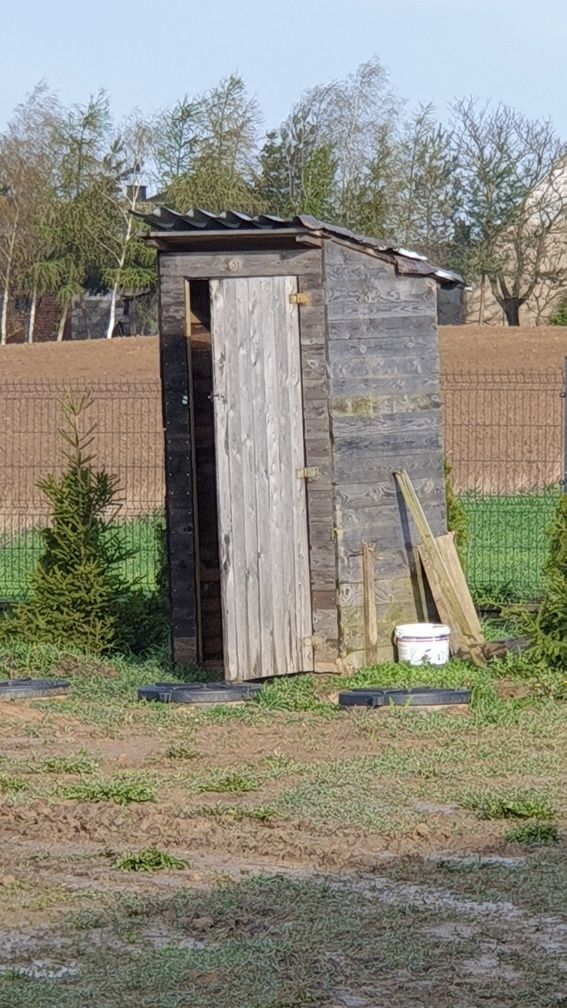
(299, 366)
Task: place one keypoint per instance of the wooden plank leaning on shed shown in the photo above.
(446, 579)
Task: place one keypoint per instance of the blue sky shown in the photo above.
(148, 54)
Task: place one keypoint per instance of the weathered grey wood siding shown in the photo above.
(262, 501)
(385, 414)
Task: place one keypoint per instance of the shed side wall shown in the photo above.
(385, 414)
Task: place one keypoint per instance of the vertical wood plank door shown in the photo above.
(264, 559)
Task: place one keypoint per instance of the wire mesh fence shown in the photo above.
(128, 441)
(504, 440)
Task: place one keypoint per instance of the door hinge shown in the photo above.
(303, 297)
(307, 472)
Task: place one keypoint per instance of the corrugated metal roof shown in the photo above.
(164, 221)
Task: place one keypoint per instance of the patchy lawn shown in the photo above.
(282, 853)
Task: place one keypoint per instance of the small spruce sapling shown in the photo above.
(77, 595)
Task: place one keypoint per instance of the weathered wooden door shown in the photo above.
(266, 603)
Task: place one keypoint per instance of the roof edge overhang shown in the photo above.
(170, 236)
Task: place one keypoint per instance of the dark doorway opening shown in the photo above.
(209, 612)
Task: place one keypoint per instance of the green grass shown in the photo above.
(533, 834)
(10, 785)
(508, 544)
(181, 752)
(150, 859)
(506, 551)
(515, 805)
(231, 782)
(82, 763)
(19, 555)
(123, 790)
(273, 942)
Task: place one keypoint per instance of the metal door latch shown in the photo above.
(307, 473)
(301, 298)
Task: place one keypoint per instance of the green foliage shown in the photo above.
(548, 630)
(126, 790)
(232, 782)
(82, 763)
(76, 595)
(79, 595)
(457, 521)
(11, 785)
(534, 834)
(181, 752)
(515, 805)
(296, 693)
(560, 316)
(150, 859)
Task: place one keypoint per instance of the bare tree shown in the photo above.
(514, 200)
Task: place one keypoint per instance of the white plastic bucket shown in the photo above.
(423, 643)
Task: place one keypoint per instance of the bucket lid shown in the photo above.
(422, 631)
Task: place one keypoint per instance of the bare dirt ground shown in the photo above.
(327, 859)
(502, 349)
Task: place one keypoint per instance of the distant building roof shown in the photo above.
(202, 224)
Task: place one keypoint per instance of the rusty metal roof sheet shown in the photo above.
(163, 221)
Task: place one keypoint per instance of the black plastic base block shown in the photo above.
(417, 696)
(196, 693)
(31, 689)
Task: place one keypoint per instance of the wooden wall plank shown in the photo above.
(288, 350)
(209, 265)
(321, 490)
(174, 369)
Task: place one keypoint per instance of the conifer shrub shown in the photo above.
(548, 631)
(457, 521)
(78, 595)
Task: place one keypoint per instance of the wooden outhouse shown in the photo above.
(299, 367)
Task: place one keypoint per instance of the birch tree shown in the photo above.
(130, 262)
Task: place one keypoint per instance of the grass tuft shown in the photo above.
(120, 790)
(515, 805)
(11, 785)
(181, 752)
(82, 763)
(232, 782)
(150, 859)
(536, 834)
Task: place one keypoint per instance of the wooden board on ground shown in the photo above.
(446, 579)
(448, 550)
